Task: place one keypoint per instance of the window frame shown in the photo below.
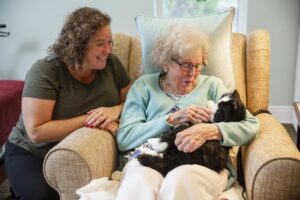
(241, 13)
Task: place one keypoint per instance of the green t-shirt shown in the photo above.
(49, 78)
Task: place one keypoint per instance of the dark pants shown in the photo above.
(25, 175)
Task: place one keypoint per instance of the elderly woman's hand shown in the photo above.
(102, 116)
(195, 136)
(113, 127)
(194, 114)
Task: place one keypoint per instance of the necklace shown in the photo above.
(173, 97)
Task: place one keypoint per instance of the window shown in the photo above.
(188, 8)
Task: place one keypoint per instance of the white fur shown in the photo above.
(148, 151)
(213, 107)
(157, 145)
(224, 99)
(152, 147)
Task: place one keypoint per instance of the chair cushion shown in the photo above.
(218, 27)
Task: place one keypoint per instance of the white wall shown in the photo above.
(297, 74)
(35, 24)
(281, 19)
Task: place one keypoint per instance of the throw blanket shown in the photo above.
(101, 189)
(105, 189)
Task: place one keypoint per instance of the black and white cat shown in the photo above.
(162, 154)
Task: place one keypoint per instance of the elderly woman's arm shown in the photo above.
(135, 125)
(239, 133)
(234, 133)
(228, 133)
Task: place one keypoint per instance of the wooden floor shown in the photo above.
(4, 186)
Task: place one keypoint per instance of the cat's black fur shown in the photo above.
(211, 154)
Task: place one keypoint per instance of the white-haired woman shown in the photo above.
(178, 94)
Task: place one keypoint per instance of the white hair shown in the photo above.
(180, 40)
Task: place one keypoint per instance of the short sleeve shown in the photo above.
(121, 75)
(41, 81)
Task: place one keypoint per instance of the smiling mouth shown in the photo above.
(102, 58)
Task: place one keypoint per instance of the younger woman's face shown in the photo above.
(98, 49)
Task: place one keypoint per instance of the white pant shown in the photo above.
(188, 182)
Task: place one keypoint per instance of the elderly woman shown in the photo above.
(178, 94)
(80, 84)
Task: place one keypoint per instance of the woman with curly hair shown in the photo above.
(178, 94)
(80, 83)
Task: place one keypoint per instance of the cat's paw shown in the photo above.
(151, 152)
(157, 145)
(144, 149)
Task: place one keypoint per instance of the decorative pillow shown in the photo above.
(219, 28)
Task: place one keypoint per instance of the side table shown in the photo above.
(297, 110)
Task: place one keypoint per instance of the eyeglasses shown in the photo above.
(188, 66)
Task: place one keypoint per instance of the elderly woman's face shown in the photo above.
(97, 49)
(183, 72)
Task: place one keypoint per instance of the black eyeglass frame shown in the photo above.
(189, 66)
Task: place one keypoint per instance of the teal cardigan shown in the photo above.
(147, 108)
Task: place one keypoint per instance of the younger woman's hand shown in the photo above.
(102, 116)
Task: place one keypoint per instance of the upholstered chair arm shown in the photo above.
(84, 155)
(271, 163)
(258, 70)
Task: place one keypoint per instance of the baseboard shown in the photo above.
(283, 113)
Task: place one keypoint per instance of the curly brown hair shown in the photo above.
(79, 27)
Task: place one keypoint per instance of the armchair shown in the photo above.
(271, 162)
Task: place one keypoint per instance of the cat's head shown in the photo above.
(229, 108)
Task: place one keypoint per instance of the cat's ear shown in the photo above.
(235, 93)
